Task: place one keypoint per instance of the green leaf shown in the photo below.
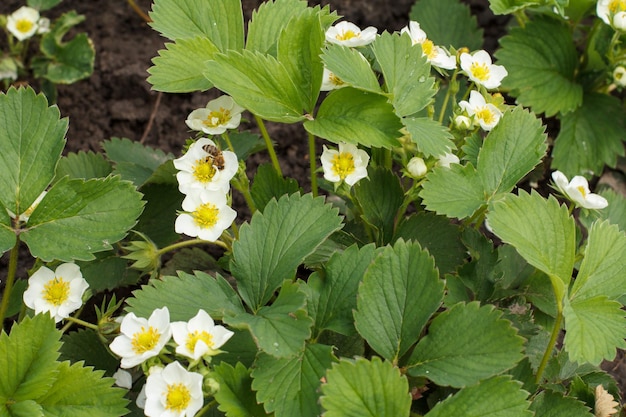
(431, 138)
(548, 404)
(380, 196)
(86, 165)
(337, 287)
(489, 345)
(268, 184)
(28, 359)
(591, 137)
(28, 408)
(179, 67)
(80, 391)
(362, 388)
(235, 396)
(351, 67)
(268, 21)
(245, 143)
(353, 116)
(78, 218)
(159, 216)
(31, 140)
(615, 213)
(190, 260)
(602, 271)
(258, 82)
(108, 272)
(185, 295)
(289, 387)
(541, 230)
(219, 20)
(7, 234)
(401, 289)
(85, 345)
(406, 71)
(496, 397)
(541, 60)
(511, 150)
(455, 192)
(42, 5)
(448, 22)
(271, 247)
(282, 328)
(594, 329)
(510, 6)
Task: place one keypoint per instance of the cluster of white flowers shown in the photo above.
(348, 164)
(25, 22)
(205, 171)
(172, 390)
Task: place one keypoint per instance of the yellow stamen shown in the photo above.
(616, 6)
(480, 71)
(204, 171)
(194, 337)
(348, 34)
(206, 215)
(428, 48)
(177, 397)
(486, 115)
(335, 80)
(24, 25)
(343, 164)
(56, 291)
(217, 118)
(582, 190)
(145, 340)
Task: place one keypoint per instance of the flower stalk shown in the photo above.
(268, 144)
(8, 288)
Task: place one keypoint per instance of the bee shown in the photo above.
(215, 156)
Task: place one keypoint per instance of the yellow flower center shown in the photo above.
(428, 48)
(486, 115)
(582, 190)
(616, 6)
(177, 397)
(205, 216)
(480, 71)
(145, 340)
(194, 337)
(217, 118)
(348, 34)
(335, 80)
(24, 25)
(56, 291)
(343, 164)
(204, 171)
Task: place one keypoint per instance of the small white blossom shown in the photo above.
(348, 164)
(619, 76)
(23, 23)
(605, 405)
(205, 167)
(123, 379)
(330, 81)
(173, 392)
(348, 34)
(577, 190)
(200, 336)
(447, 159)
(206, 215)
(436, 55)
(462, 122)
(416, 167)
(141, 338)
(480, 70)
(218, 116)
(485, 113)
(57, 292)
(613, 13)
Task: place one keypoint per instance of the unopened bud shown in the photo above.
(417, 167)
(462, 122)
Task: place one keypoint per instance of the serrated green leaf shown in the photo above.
(488, 346)
(28, 359)
(134, 161)
(85, 345)
(594, 328)
(80, 391)
(615, 213)
(431, 138)
(268, 22)
(590, 137)
(179, 67)
(28, 408)
(268, 184)
(290, 386)
(235, 396)
(271, 247)
(448, 23)
(406, 71)
(541, 61)
(258, 82)
(32, 136)
(496, 397)
(108, 272)
(436, 234)
(239, 348)
(78, 218)
(455, 191)
(219, 20)
(85, 165)
(159, 215)
(355, 389)
(380, 196)
(185, 295)
(510, 6)
(541, 230)
(351, 67)
(511, 150)
(548, 404)
(281, 328)
(401, 289)
(338, 288)
(353, 116)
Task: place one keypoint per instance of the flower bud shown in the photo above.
(416, 167)
(619, 76)
(462, 122)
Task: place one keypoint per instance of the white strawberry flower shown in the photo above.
(199, 336)
(613, 13)
(330, 81)
(481, 70)
(348, 34)
(448, 159)
(173, 392)
(348, 164)
(436, 55)
(577, 191)
(218, 116)
(23, 23)
(206, 215)
(486, 114)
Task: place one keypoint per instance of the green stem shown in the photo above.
(186, 243)
(8, 287)
(228, 142)
(206, 408)
(313, 164)
(83, 323)
(268, 143)
(447, 96)
(553, 338)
